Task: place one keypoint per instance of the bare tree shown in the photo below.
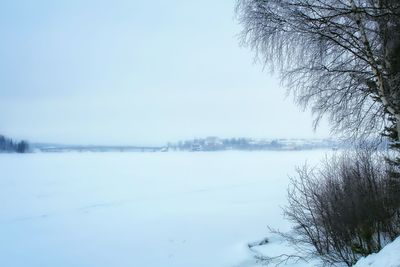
(340, 57)
(346, 209)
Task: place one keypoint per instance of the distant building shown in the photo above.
(213, 143)
(196, 147)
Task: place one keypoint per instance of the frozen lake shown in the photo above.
(141, 209)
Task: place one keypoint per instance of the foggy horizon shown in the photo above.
(174, 141)
(131, 73)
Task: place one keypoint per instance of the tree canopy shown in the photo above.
(339, 57)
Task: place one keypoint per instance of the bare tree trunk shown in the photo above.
(375, 69)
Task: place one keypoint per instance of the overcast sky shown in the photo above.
(135, 72)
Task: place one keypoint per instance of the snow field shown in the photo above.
(175, 209)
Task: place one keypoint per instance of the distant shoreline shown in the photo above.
(288, 145)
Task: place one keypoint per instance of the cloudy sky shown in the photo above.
(135, 72)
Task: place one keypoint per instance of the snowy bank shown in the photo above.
(389, 256)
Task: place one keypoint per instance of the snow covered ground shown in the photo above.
(142, 209)
(389, 256)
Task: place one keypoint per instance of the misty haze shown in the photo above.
(233, 133)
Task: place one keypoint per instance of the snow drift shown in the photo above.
(389, 256)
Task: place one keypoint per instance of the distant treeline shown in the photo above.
(9, 145)
(214, 143)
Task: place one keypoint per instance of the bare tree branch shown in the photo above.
(339, 57)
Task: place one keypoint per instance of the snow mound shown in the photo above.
(389, 256)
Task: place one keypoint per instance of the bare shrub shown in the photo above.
(347, 208)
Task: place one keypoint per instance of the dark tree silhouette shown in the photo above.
(8, 145)
(22, 147)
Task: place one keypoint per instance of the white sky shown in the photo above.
(135, 72)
